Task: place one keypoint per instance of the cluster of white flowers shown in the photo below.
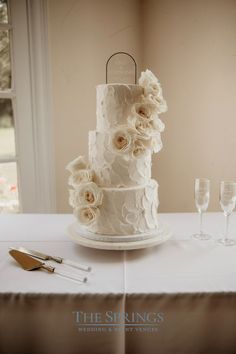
(144, 127)
(86, 196)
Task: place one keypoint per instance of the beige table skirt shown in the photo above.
(46, 324)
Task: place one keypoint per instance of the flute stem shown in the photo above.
(201, 232)
(226, 227)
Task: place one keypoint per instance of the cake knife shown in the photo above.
(29, 263)
(47, 257)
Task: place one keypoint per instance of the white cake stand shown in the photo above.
(128, 242)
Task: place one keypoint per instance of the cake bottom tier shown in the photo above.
(128, 211)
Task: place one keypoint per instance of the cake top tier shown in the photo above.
(116, 103)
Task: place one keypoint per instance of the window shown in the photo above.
(9, 199)
(26, 173)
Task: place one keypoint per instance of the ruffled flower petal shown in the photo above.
(76, 165)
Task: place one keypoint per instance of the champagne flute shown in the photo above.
(227, 203)
(202, 197)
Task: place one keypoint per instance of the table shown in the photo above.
(179, 297)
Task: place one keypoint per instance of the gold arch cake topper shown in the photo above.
(122, 53)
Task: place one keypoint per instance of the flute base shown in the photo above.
(201, 237)
(226, 242)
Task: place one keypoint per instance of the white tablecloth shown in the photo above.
(180, 265)
(192, 282)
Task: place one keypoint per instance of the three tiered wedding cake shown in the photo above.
(113, 194)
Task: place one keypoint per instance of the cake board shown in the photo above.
(86, 238)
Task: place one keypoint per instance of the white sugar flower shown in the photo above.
(81, 176)
(88, 194)
(142, 126)
(140, 147)
(156, 143)
(146, 109)
(158, 125)
(153, 90)
(159, 102)
(76, 165)
(150, 83)
(146, 128)
(87, 215)
(122, 139)
(147, 78)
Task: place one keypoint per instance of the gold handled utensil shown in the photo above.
(57, 259)
(29, 263)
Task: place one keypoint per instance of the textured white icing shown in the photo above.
(114, 103)
(128, 211)
(116, 170)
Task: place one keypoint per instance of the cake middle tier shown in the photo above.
(116, 170)
(128, 211)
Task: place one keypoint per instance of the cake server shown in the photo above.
(47, 257)
(29, 263)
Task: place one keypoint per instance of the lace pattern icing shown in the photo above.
(128, 211)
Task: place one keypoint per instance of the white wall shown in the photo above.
(83, 34)
(190, 45)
